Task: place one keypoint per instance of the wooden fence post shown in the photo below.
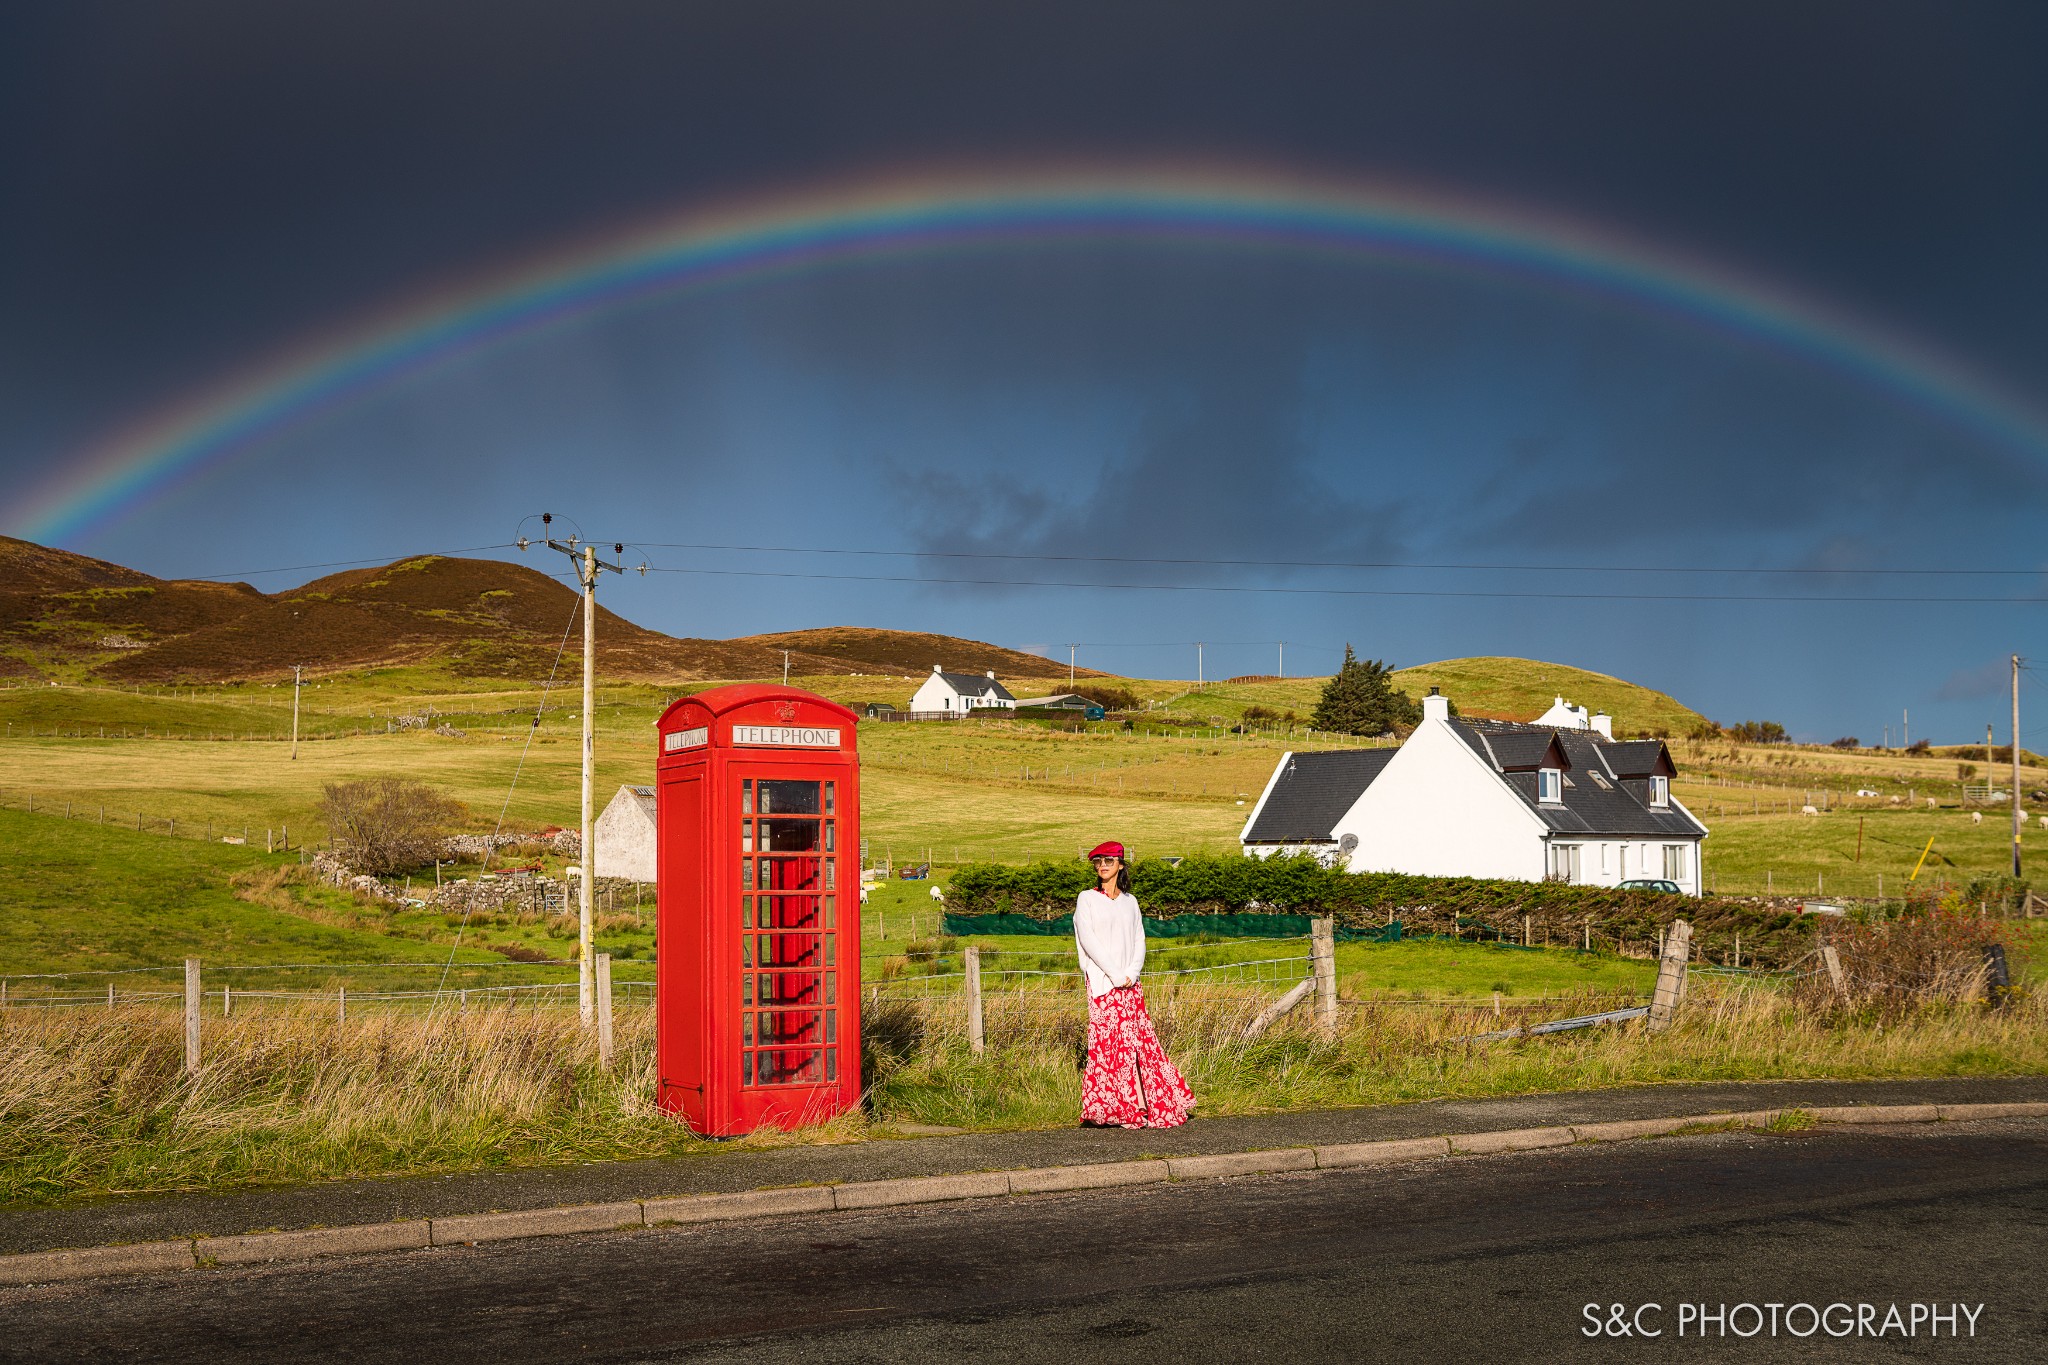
(1322, 953)
(191, 1016)
(1670, 975)
(1833, 963)
(604, 1011)
(972, 961)
(341, 1006)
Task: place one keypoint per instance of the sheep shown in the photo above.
(1976, 817)
(938, 894)
(1930, 803)
(1897, 799)
(1809, 810)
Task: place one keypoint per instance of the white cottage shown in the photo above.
(959, 693)
(1565, 716)
(1482, 798)
(625, 836)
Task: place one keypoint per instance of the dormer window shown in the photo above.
(1660, 792)
(1549, 784)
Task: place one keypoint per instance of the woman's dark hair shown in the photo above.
(1123, 874)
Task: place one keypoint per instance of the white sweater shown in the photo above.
(1111, 937)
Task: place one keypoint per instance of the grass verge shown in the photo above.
(94, 1102)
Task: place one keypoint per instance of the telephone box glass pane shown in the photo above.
(791, 989)
(790, 912)
(783, 797)
(789, 836)
(830, 880)
(789, 874)
(747, 1029)
(746, 836)
(789, 950)
(747, 873)
(831, 829)
(830, 797)
(791, 1066)
(787, 1027)
(747, 797)
(831, 1066)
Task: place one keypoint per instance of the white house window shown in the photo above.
(1564, 862)
(1660, 791)
(1674, 863)
(1549, 784)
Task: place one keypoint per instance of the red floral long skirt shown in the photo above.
(1129, 1080)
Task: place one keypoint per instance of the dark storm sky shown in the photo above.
(188, 187)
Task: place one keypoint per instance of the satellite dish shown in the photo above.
(1348, 845)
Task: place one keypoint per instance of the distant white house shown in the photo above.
(625, 836)
(1564, 716)
(1480, 798)
(960, 693)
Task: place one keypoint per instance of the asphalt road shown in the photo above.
(1486, 1259)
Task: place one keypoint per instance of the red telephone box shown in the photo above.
(758, 902)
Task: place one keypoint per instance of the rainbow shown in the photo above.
(696, 249)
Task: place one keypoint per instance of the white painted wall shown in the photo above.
(625, 837)
(935, 695)
(1438, 809)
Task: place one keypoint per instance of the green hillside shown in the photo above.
(1523, 689)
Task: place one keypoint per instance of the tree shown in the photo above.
(1847, 742)
(387, 824)
(1758, 732)
(1362, 700)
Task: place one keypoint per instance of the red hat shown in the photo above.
(1112, 849)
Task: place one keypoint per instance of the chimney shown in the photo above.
(1436, 706)
(1604, 723)
(937, 668)
(991, 675)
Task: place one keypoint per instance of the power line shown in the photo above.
(1328, 564)
(1353, 592)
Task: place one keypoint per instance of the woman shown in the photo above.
(1128, 1082)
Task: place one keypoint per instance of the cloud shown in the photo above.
(1224, 473)
(1971, 684)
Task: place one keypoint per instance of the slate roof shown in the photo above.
(1606, 782)
(976, 685)
(1313, 792)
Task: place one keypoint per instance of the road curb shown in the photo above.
(49, 1267)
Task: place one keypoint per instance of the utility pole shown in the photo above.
(297, 669)
(785, 668)
(2019, 814)
(1905, 728)
(1199, 680)
(588, 567)
(1070, 666)
(1283, 658)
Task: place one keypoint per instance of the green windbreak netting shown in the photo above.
(1178, 926)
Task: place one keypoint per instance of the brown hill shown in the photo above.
(911, 653)
(477, 617)
(60, 607)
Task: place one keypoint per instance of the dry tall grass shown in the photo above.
(94, 1101)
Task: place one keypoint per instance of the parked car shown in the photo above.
(1652, 884)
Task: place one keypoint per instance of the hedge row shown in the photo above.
(1558, 912)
